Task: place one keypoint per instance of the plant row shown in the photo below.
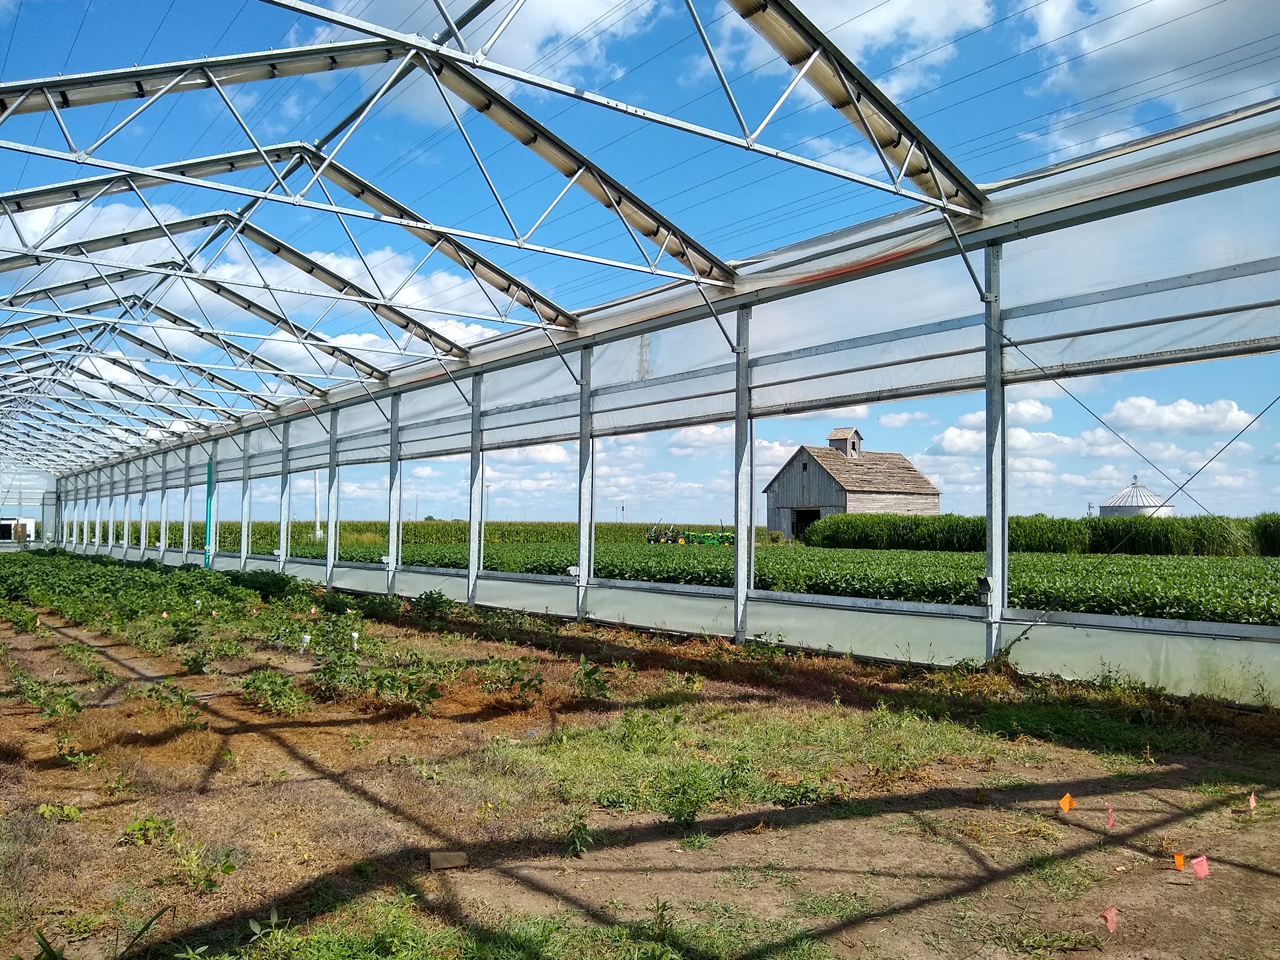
(1171, 536)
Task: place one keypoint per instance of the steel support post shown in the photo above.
(997, 572)
(186, 504)
(331, 527)
(475, 517)
(97, 513)
(286, 492)
(246, 504)
(143, 514)
(126, 541)
(211, 538)
(586, 484)
(743, 532)
(394, 495)
(77, 523)
(164, 504)
(111, 508)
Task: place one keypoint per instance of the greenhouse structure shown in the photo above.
(961, 287)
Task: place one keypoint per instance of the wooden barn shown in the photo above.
(843, 478)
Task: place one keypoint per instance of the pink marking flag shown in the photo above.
(1109, 918)
(1253, 800)
(1111, 818)
(1201, 867)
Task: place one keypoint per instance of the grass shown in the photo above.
(835, 906)
(745, 755)
(394, 927)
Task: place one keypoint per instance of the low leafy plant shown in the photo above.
(60, 812)
(273, 691)
(498, 675)
(579, 838)
(83, 657)
(684, 795)
(165, 697)
(429, 606)
(201, 867)
(590, 680)
(146, 830)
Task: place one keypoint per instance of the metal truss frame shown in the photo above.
(117, 363)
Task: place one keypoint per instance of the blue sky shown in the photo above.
(1001, 87)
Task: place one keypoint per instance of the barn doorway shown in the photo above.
(800, 520)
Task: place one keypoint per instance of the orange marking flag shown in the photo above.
(1177, 861)
(1067, 803)
(1109, 918)
(1201, 867)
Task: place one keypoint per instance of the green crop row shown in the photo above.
(1223, 589)
(1167, 536)
(1170, 536)
(264, 536)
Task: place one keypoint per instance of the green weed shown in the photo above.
(148, 829)
(273, 691)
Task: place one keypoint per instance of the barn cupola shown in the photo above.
(847, 440)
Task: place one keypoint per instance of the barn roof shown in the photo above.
(871, 472)
(842, 433)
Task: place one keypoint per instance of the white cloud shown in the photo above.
(1030, 464)
(1019, 412)
(541, 453)
(893, 420)
(705, 440)
(1116, 58)
(858, 412)
(1029, 410)
(771, 454)
(1181, 416)
(904, 31)
(958, 440)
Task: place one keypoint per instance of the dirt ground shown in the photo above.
(960, 859)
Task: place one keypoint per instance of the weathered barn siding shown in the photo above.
(914, 504)
(802, 489)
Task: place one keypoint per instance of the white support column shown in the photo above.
(394, 492)
(143, 514)
(111, 507)
(77, 508)
(97, 513)
(286, 491)
(586, 484)
(742, 477)
(997, 571)
(211, 539)
(331, 528)
(186, 503)
(164, 503)
(246, 504)
(127, 538)
(475, 517)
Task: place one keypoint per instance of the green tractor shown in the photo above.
(723, 538)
